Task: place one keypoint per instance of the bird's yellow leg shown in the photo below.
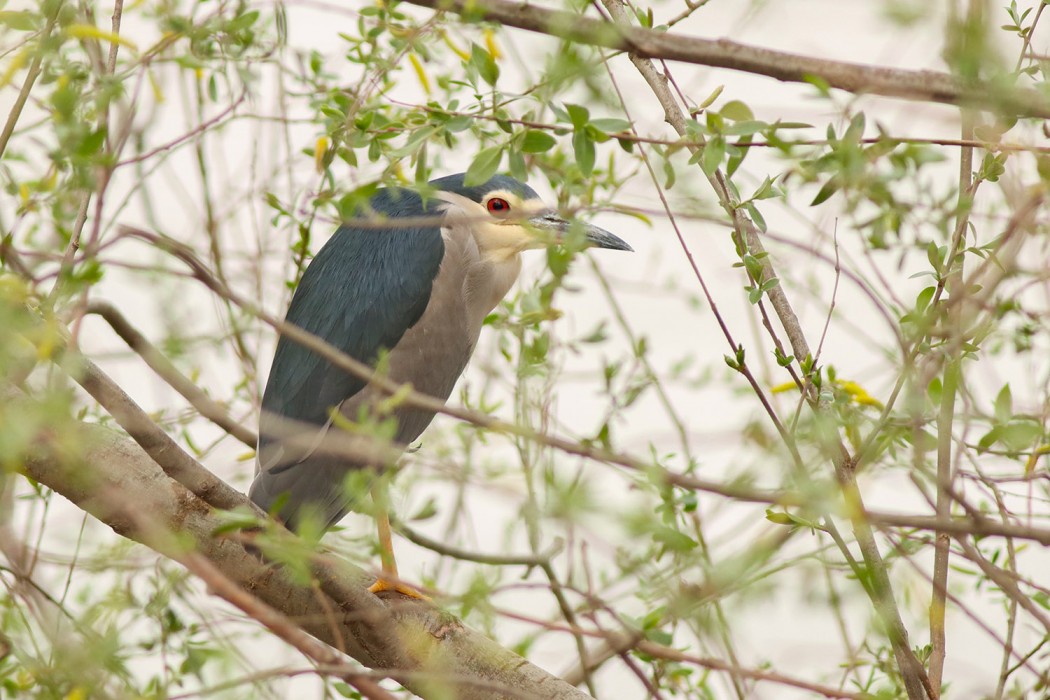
(388, 579)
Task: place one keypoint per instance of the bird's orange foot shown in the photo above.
(382, 584)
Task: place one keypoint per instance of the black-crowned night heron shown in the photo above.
(419, 291)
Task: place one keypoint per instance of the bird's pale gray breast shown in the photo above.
(432, 354)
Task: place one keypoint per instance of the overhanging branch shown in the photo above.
(920, 85)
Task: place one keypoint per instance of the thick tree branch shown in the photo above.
(429, 652)
(924, 85)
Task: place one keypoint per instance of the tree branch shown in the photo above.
(429, 652)
(922, 85)
(160, 364)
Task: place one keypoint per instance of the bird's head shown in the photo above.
(507, 216)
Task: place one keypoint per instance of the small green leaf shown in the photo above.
(988, 439)
(756, 216)
(736, 111)
(429, 510)
(925, 297)
(578, 115)
(746, 128)
(20, 21)
(765, 190)
(714, 151)
(1020, 434)
(1004, 405)
(611, 126)
(669, 174)
(537, 142)
(583, 147)
(856, 128)
(935, 254)
(737, 155)
(674, 540)
(484, 63)
(516, 164)
(92, 143)
(779, 518)
(243, 21)
(712, 97)
(484, 166)
(830, 187)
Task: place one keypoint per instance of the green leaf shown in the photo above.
(830, 187)
(737, 155)
(989, 439)
(1020, 434)
(611, 126)
(756, 216)
(736, 111)
(669, 174)
(20, 21)
(92, 143)
(934, 390)
(779, 518)
(243, 21)
(936, 254)
(747, 128)
(765, 190)
(1004, 405)
(784, 518)
(924, 298)
(414, 140)
(714, 151)
(710, 100)
(537, 142)
(856, 128)
(484, 166)
(484, 63)
(516, 164)
(583, 147)
(426, 512)
(674, 540)
(992, 167)
(578, 115)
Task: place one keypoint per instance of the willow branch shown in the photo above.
(429, 652)
(920, 85)
(160, 364)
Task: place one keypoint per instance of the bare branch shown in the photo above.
(153, 357)
(429, 651)
(922, 85)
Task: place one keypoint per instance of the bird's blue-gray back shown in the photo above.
(361, 292)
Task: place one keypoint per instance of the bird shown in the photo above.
(415, 294)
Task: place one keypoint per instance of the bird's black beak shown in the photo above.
(601, 238)
(596, 236)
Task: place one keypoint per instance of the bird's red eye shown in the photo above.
(498, 205)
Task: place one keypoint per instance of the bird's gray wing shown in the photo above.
(362, 291)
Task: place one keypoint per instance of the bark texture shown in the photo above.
(431, 653)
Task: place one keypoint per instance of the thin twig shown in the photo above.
(946, 416)
(447, 550)
(208, 408)
(30, 79)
